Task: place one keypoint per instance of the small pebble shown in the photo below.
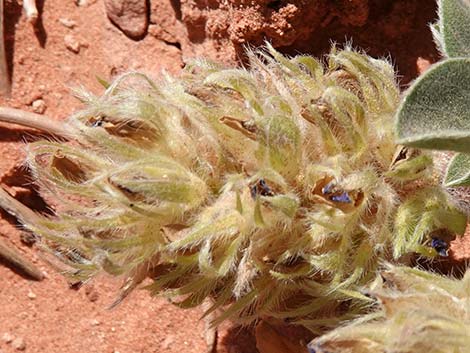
(31, 295)
(7, 338)
(39, 106)
(28, 238)
(23, 315)
(168, 342)
(422, 65)
(19, 344)
(66, 22)
(95, 322)
(72, 44)
(91, 293)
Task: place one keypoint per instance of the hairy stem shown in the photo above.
(10, 256)
(36, 121)
(16, 208)
(19, 262)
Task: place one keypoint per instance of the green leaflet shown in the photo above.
(454, 27)
(458, 171)
(435, 113)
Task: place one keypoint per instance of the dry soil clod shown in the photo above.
(269, 340)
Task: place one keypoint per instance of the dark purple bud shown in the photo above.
(343, 198)
(328, 188)
(440, 246)
(261, 188)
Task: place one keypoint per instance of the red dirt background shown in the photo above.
(48, 316)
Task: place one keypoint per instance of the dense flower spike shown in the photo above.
(274, 190)
(419, 312)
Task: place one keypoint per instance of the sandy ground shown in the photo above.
(45, 64)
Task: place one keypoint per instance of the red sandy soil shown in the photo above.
(49, 316)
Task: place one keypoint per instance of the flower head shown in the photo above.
(274, 190)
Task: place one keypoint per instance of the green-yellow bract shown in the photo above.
(419, 312)
(275, 190)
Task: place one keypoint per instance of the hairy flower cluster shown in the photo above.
(419, 312)
(274, 190)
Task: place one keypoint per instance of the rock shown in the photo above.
(7, 338)
(162, 33)
(95, 322)
(66, 22)
(31, 295)
(130, 16)
(39, 106)
(19, 344)
(353, 12)
(72, 44)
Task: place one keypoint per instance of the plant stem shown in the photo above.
(19, 262)
(12, 257)
(16, 208)
(5, 85)
(36, 121)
